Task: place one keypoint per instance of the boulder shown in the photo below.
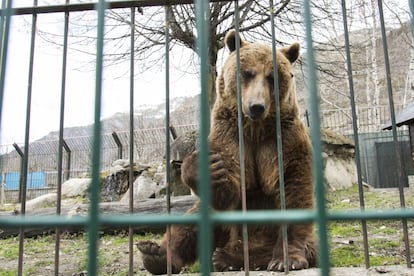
(117, 182)
(339, 163)
(43, 201)
(145, 186)
(75, 187)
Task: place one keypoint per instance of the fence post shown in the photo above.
(69, 152)
(118, 143)
(173, 132)
(20, 152)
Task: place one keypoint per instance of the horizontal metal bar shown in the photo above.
(92, 6)
(288, 216)
(403, 213)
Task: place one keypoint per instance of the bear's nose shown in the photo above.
(256, 111)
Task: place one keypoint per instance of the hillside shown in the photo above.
(332, 81)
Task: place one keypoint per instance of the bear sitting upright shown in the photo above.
(261, 168)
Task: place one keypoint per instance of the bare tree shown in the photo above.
(254, 17)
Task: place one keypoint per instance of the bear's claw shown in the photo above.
(296, 262)
(154, 257)
(225, 261)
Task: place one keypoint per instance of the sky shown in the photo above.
(80, 84)
(80, 81)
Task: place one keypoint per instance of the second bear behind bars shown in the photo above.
(261, 168)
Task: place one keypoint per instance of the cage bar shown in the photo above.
(241, 140)
(317, 145)
(131, 139)
(204, 223)
(355, 128)
(397, 146)
(62, 143)
(93, 223)
(321, 216)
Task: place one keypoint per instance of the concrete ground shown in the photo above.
(394, 270)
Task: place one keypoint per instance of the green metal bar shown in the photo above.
(279, 140)
(93, 226)
(316, 143)
(61, 142)
(4, 39)
(397, 145)
(355, 129)
(205, 227)
(131, 139)
(235, 217)
(411, 4)
(241, 140)
(110, 5)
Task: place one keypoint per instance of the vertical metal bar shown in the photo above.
(316, 143)
(205, 228)
(131, 139)
(93, 223)
(397, 145)
(60, 147)
(241, 140)
(279, 141)
(411, 4)
(4, 40)
(25, 167)
(167, 131)
(355, 129)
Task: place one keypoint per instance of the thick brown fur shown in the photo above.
(261, 167)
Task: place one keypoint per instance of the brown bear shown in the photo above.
(261, 168)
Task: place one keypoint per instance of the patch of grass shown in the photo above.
(194, 268)
(383, 243)
(345, 229)
(347, 255)
(9, 248)
(382, 227)
(7, 272)
(7, 207)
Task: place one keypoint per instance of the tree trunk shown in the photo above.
(409, 83)
(179, 204)
(374, 67)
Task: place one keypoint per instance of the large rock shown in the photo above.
(43, 201)
(339, 164)
(75, 187)
(117, 182)
(146, 186)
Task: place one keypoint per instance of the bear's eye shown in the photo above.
(270, 79)
(248, 75)
(291, 75)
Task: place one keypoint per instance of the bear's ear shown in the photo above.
(291, 52)
(230, 40)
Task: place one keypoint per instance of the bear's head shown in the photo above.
(257, 77)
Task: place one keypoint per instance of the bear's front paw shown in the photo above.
(189, 171)
(218, 169)
(154, 257)
(295, 262)
(226, 261)
(225, 193)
